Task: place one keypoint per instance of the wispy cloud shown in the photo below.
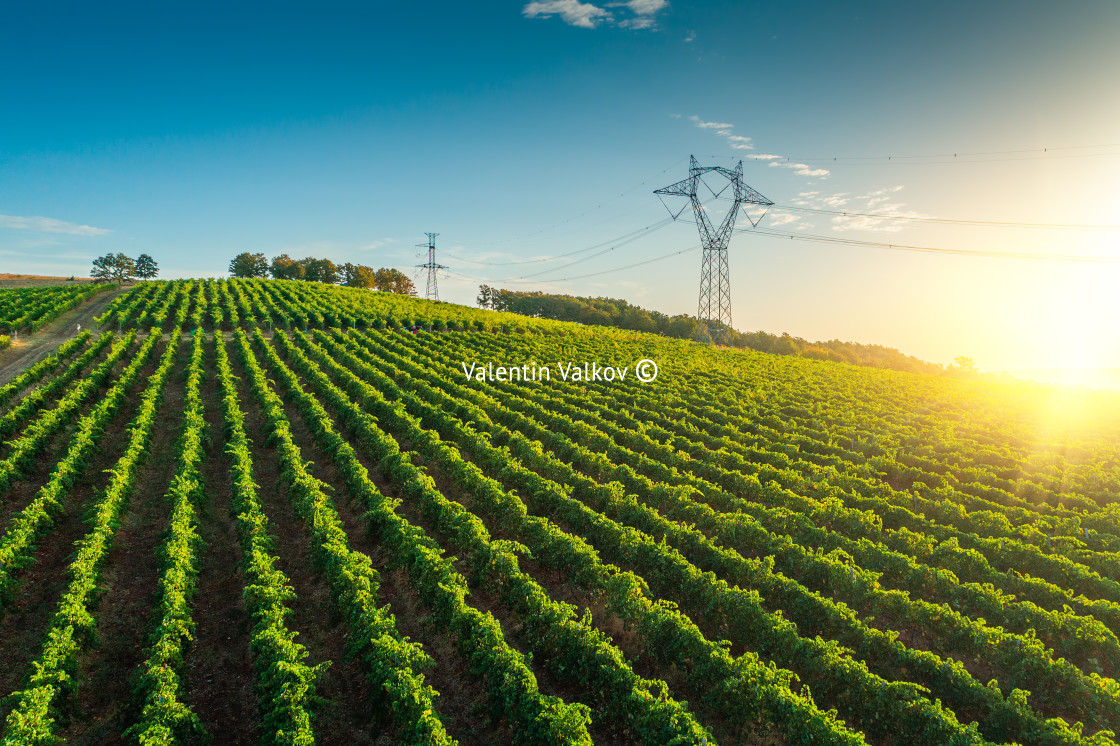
(49, 225)
(801, 169)
(724, 130)
(710, 125)
(776, 218)
(742, 142)
(572, 12)
(646, 7)
(877, 202)
(690, 38)
(380, 242)
(634, 14)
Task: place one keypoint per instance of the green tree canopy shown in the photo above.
(485, 297)
(320, 270)
(113, 268)
(620, 313)
(358, 276)
(249, 265)
(146, 267)
(393, 281)
(285, 268)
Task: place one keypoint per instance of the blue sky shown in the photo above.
(530, 130)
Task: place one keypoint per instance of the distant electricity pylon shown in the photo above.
(432, 291)
(715, 292)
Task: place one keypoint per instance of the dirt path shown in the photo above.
(28, 349)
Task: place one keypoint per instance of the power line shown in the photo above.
(999, 223)
(934, 250)
(832, 240)
(634, 237)
(959, 157)
(1040, 152)
(662, 257)
(626, 237)
(585, 212)
(628, 266)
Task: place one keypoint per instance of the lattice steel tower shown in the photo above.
(715, 283)
(432, 291)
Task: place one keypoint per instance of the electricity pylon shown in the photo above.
(432, 291)
(715, 283)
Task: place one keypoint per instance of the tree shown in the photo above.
(393, 281)
(358, 276)
(964, 364)
(485, 296)
(249, 265)
(285, 268)
(113, 267)
(146, 267)
(319, 270)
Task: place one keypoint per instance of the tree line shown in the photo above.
(311, 269)
(621, 314)
(120, 268)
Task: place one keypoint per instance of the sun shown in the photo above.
(1075, 322)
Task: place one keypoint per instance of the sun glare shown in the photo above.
(1076, 329)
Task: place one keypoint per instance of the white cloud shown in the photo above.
(377, 244)
(802, 169)
(816, 201)
(589, 15)
(776, 219)
(710, 125)
(843, 223)
(647, 7)
(49, 225)
(573, 12)
(638, 22)
(877, 202)
(741, 142)
(691, 37)
(880, 192)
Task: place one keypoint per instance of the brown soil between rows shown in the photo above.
(347, 715)
(28, 349)
(602, 730)
(37, 472)
(642, 659)
(105, 706)
(913, 636)
(218, 669)
(59, 368)
(25, 619)
(462, 702)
